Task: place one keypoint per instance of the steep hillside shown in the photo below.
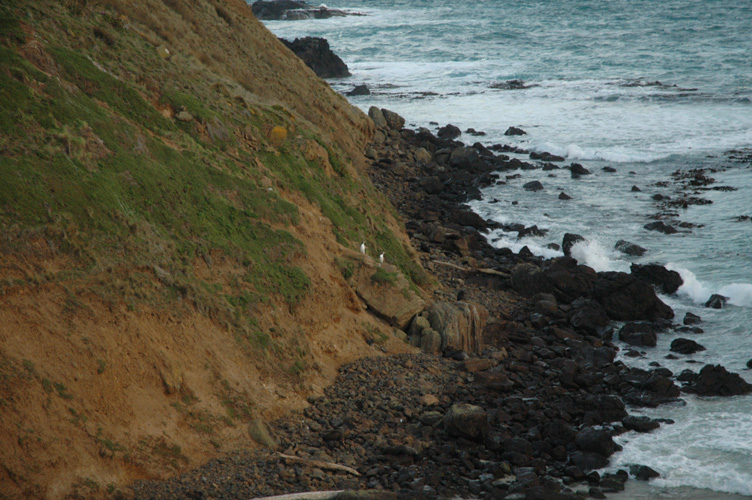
(181, 206)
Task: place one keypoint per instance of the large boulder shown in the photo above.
(648, 388)
(657, 275)
(317, 55)
(569, 280)
(638, 334)
(588, 316)
(561, 277)
(393, 120)
(377, 116)
(466, 420)
(627, 298)
(595, 441)
(715, 380)
(386, 292)
(570, 240)
(686, 346)
(460, 324)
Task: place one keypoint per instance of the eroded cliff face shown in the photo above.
(181, 209)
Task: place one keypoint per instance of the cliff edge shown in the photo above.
(182, 206)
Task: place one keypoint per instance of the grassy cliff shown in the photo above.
(178, 193)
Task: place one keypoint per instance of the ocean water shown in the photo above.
(645, 87)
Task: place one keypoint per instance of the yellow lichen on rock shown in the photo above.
(277, 136)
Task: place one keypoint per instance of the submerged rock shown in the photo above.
(630, 248)
(291, 10)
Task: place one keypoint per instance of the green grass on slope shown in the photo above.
(87, 159)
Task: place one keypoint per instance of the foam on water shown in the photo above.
(707, 446)
(739, 294)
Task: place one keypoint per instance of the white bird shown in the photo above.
(363, 247)
(381, 257)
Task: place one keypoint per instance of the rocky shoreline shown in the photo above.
(530, 413)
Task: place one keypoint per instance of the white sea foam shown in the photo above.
(739, 294)
(716, 456)
(593, 254)
(500, 239)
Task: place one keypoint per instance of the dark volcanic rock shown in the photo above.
(648, 388)
(657, 275)
(643, 472)
(661, 226)
(466, 420)
(317, 55)
(686, 346)
(640, 423)
(716, 301)
(595, 440)
(533, 186)
(290, 10)
(589, 316)
(515, 131)
(569, 240)
(545, 156)
(588, 461)
(359, 90)
(629, 248)
(393, 120)
(578, 170)
(449, 132)
(564, 196)
(691, 319)
(627, 298)
(638, 334)
(715, 380)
